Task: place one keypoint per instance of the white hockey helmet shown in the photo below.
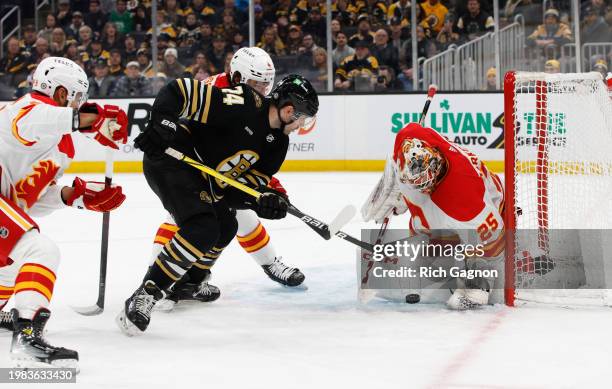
(253, 63)
(53, 72)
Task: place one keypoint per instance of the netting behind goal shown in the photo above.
(558, 187)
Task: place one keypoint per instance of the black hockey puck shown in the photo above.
(413, 298)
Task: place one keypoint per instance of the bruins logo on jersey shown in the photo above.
(234, 166)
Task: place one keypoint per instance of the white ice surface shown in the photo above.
(260, 335)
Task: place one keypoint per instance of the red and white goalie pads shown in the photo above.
(386, 198)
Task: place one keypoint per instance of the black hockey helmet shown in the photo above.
(297, 91)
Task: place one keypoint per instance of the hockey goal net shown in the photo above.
(558, 177)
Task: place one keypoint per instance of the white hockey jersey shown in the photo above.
(35, 149)
(469, 199)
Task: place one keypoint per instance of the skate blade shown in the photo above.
(126, 326)
(24, 362)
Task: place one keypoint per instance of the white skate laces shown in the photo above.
(204, 289)
(280, 270)
(144, 303)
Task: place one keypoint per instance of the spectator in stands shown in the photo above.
(364, 32)
(122, 17)
(435, 13)
(101, 83)
(551, 35)
(14, 65)
(91, 56)
(29, 39)
(405, 57)
(529, 9)
(174, 14)
(318, 72)
(228, 59)
(50, 25)
(111, 38)
(599, 6)
(200, 73)
(384, 52)
(72, 51)
(238, 41)
(302, 9)
(199, 61)
(315, 25)
(376, 9)
(85, 37)
(133, 84)
(491, 79)
(294, 40)
(204, 43)
(171, 67)
(116, 67)
(144, 63)
(72, 31)
(129, 48)
(474, 22)
(260, 23)
(216, 54)
(271, 43)
(25, 86)
(58, 42)
(401, 10)
(594, 27)
(398, 34)
(356, 71)
(342, 49)
(190, 32)
(163, 28)
(552, 66)
(141, 21)
(230, 5)
(306, 51)
(228, 26)
(341, 12)
(41, 49)
(447, 35)
(385, 81)
(64, 14)
(95, 18)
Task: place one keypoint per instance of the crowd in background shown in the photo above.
(372, 45)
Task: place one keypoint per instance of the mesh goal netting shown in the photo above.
(558, 188)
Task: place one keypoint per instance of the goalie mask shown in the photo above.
(418, 164)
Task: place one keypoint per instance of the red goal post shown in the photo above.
(558, 187)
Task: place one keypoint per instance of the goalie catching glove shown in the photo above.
(95, 196)
(109, 128)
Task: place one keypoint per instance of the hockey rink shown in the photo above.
(262, 335)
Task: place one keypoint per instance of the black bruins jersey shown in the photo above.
(227, 129)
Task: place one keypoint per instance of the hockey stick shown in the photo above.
(98, 307)
(323, 229)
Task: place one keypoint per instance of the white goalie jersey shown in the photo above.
(468, 200)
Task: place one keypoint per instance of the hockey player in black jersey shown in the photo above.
(235, 131)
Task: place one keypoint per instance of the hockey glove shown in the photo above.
(109, 128)
(271, 204)
(156, 137)
(95, 196)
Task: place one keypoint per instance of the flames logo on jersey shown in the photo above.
(29, 188)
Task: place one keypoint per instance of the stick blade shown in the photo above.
(88, 311)
(346, 215)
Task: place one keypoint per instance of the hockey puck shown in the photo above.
(413, 298)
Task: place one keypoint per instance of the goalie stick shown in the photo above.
(98, 307)
(321, 228)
